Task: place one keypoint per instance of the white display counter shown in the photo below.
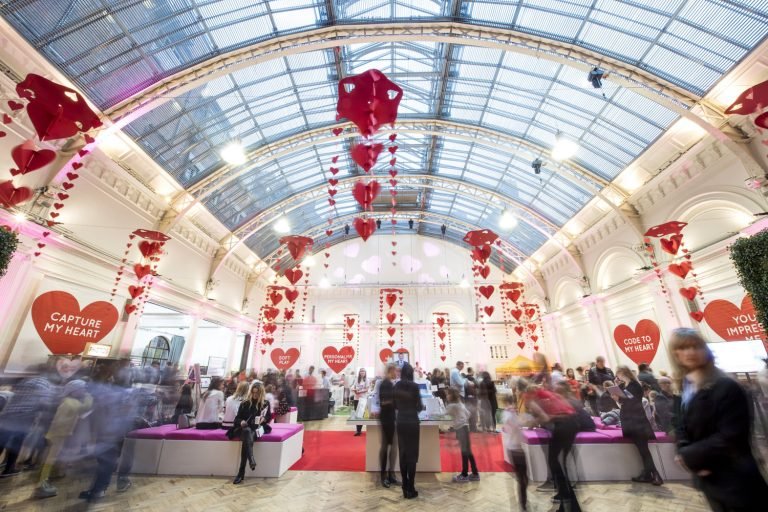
(429, 444)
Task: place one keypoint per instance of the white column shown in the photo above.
(598, 318)
(189, 344)
(231, 356)
(550, 327)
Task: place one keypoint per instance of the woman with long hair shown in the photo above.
(488, 402)
(185, 403)
(211, 406)
(714, 429)
(387, 420)
(251, 422)
(635, 424)
(359, 389)
(408, 405)
(232, 405)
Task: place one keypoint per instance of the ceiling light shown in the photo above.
(282, 225)
(508, 220)
(464, 283)
(233, 153)
(20, 217)
(325, 283)
(309, 261)
(564, 147)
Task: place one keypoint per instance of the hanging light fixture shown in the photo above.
(464, 283)
(508, 220)
(233, 153)
(282, 225)
(309, 261)
(564, 147)
(325, 283)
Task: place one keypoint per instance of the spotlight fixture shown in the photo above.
(19, 217)
(282, 225)
(346, 229)
(507, 221)
(443, 229)
(564, 147)
(536, 165)
(410, 224)
(233, 153)
(378, 223)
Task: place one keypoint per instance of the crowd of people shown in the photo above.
(51, 422)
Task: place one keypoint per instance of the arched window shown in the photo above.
(158, 349)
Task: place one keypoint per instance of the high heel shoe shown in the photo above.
(238, 479)
(656, 478)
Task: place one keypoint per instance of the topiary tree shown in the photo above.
(750, 257)
(8, 244)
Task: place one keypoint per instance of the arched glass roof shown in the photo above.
(114, 49)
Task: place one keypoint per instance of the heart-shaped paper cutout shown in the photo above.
(141, 271)
(135, 291)
(350, 321)
(293, 275)
(521, 344)
(390, 299)
(11, 196)
(338, 359)
(391, 331)
(442, 347)
(385, 354)
(440, 321)
(697, 315)
(288, 314)
(366, 193)
(671, 245)
(640, 344)
(284, 359)
(485, 271)
(441, 335)
(391, 317)
(65, 328)
(366, 155)
(488, 310)
(29, 158)
(486, 291)
(291, 295)
(270, 328)
(275, 297)
(519, 329)
(680, 270)
(391, 343)
(364, 227)
(689, 293)
(517, 313)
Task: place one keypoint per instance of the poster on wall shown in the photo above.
(640, 343)
(338, 359)
(733, 322)
(62, 318)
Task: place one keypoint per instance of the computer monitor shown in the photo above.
(424, 389)
(205, 382)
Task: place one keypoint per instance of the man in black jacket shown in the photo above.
(596, 376)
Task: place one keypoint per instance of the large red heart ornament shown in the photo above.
(680, 270)
(366, 193)
(293, 275)
(29, 158)
(284, 359)
(271, 313)
(366, 155)
(65, 328)
(11, 196)
(640, 344)
(364, 227)
(733, 323)
(672, 244)
(486, 291)
(440, 321)
(338, 359)
(385, 354)
(391, 298)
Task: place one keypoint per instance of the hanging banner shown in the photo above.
(65, 328)
(338, 359)
(640, 344)
(284, 359)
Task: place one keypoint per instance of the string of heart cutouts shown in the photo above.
(351, 331)
(369, 100)
(533, 325)
(150, 245)
(56, 112)
(511, 296)
(441, 328)
(670, 238)
(481, 241)
(388, 299)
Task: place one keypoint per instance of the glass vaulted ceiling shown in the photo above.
(112, 49)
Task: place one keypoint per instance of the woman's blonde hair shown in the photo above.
(625, 370)
(241, 391)
(259, 397)
(681, 338)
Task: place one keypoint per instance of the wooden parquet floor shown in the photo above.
(307, 491)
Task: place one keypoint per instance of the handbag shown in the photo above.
(185, 421)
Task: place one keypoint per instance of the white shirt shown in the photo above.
(270, 397)
(511, 430)
(457, 381)
(230, 410)
(556, 376)
(212, 405)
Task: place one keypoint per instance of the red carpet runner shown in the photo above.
(342, 451)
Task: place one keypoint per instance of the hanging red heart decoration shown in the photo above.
(534, 338)
(391, 298)
(76, 165)
(532, 327)
(62, 196)
(284, 359)
(333, 182)
(521, 344)
(293, 275)
(391, 343)
(332, 192)
(350, 321)
(441, 335)
(29, 158)
(297, 245)
(485, 271)
(334, 170)
(391, 317)
(67, 186)
(519, 329)
(15, 105)
(11, 196)
(130, 308)
(486, 291)
(328, 232)
(481, 254)
(488, 310)
(514, 296)
(680, 270)
(135, 291)
(391, 331)
(275, 297)
(370, 100)
(337, 131)
(517, 313)
(288, 314)
(366, 155)
(270, 328)
(149, 248)
(364, 227)
(530, 312)
(697, 315)
(366, 194)
(440, 321)
(442, 347)
(393, 173)
(689, 293)
(291, 295)
(350, 335)
(442, 358)
(141, 271)
(672, 244)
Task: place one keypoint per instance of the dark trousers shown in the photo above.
(208, 426)
(408, 444)
(563, 434)
(246, 449)
(471, 403)
(521, 474)
(641, 442)
(358, 428)
(387, 451)
(11, 441)
(467, 459)
(106, 462)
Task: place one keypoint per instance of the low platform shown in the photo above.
(166, 450)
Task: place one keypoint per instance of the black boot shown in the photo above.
(384, 480)
(393, 479)
(656, 478)
(238, 479)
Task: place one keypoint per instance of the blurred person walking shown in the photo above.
(486, 395)
(408, 405)
(460, 425)
(714, 431)
(387, 418)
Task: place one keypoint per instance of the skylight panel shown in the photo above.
(293, 19)
(668, 64)
(560, 26)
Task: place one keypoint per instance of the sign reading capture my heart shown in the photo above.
(339, 359)
(641, 344)
(64, 328)
(733, 323)
(284, 359)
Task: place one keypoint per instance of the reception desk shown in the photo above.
(313, 404)
(429, 444)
